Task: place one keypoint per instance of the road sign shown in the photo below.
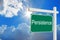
(54, 11)
(41, 23)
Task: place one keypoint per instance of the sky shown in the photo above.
(43, 4)
(15, 19)
(47, 4)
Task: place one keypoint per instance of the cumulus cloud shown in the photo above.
(23, 26)
(21, 32)
(2, 29)
(13, 28)
(11, 7)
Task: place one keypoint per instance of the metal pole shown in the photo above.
(54, 24)
(41, 10)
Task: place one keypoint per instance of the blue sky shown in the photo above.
(47, 4)
(43, 4)
(18, 25)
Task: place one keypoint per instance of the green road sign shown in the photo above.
(41, 23)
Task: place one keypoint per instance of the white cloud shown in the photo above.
(13, 28)
(3, 28)
(21, 32)
(9, 14)
(24, 27)
(10, 11)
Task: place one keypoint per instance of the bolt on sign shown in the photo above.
(41, 23)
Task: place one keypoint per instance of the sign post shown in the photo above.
(54, 11)
(54, 24)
